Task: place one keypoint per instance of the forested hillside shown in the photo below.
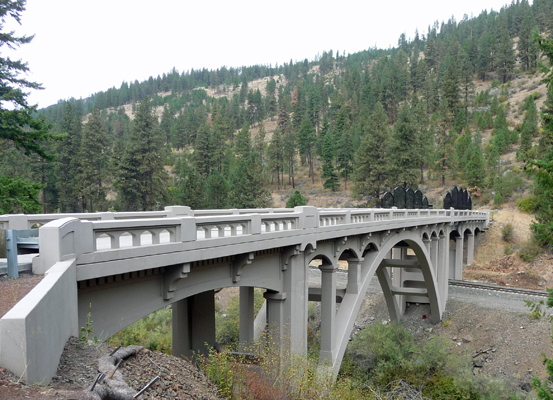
(441, 106)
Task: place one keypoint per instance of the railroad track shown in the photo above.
(485, 286)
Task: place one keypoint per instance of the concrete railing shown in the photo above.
(71, 237)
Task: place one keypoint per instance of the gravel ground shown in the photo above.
(79, 367)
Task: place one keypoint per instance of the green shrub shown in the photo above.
(227, 321)
(529, 250)
(496, 83)
(152, 332)
(498, 200)
(528, 204)
(296, 199)
(507, 232)
(508, 250)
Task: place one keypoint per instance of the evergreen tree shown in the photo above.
(94, 162)
(259, 143)
(328, 163)
(276, 155)
(216, 191)
(405, 156)
(188, 187)
(18, 122)
(247, 186)
(296, 199)
(68, 159)
(201, 158)
(141, 179)
(306, 144)
(166, 124)
(372, 158)
(243, 147)
(475, 170)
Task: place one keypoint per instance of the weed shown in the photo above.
(86, 331)
(536, 311)
(528, 204)
(507, 232)
(529, 250)
(508, 250)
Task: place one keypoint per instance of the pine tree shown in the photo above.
(476, 173)
(188, 187)
(18, 122)
(328, 163)
(216, 191)
(276, 155)
(201, 158)
(94, 162)
(296, 199)
(372, 158)
(259, 145)
(247, 186)
(306, 144)
(68, 159)
(141, 179)
(406, 158)
(166, 124)
(243, 147)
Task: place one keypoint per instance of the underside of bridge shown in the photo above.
(411, 266)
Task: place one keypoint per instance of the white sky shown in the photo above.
(82, 47)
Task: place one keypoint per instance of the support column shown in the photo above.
(328, 313)
(194, 325)
(427, 244)
(296, 304)
(470, 248)
(434, 255)
(275, 317)
(443, 267)
(459, 258)
(354, 275)
(397, 279)
(246, 317)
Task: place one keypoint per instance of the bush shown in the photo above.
(227, 321)
(529, 250)
(528, 204)
(296, 200)
(508, 250)
(152, 332)
(507, 232)
(498, 200)
(390, 357)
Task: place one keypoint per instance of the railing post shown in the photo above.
(18, 221)
(61, 240)
(309, 217)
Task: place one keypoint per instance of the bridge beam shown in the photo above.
(194, 324)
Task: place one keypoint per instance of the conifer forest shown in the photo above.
(437, 107)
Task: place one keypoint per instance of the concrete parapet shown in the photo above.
(34, 332)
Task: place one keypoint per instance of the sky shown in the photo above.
(82, 47)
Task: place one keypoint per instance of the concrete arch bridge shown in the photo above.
(127, 265)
